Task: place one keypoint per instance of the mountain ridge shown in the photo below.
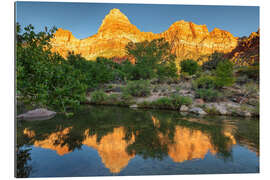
(188, 39)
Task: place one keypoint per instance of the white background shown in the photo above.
(7, 89)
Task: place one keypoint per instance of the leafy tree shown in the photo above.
(44, 78)
(138, 88)
(167, 69)
(189, 66)
(224, 74)
(128, 69)
(23, 167)
(150, 57)
(252, 72)
(204, 82)
(208, 95)
(213, 61)
(98, 96)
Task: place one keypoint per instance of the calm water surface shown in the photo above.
(102, 141)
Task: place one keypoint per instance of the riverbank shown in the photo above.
(237, 100)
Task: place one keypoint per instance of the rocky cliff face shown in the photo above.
(187, 39)
(247, 51)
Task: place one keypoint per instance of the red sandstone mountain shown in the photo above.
(247, 51)
(188, 39)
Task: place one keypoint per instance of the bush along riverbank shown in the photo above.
(218, 87)
(185, 96)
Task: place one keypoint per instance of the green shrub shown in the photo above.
(167, 70)
(189, 66)
(45, 78)
(152, 59)
(211, 110)
(172, 102)
(224, 74)
(126, 97)
(213, 61)
(252, 72)
(207, 94)
(178, 101)
(242, 79)
(251, 89)
(112, 99)
(204, 82)
(145, 104)
(98, 97)
(162, 103)
(256, 110)
(139, 88)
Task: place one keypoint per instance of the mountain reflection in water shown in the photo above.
(120, 134)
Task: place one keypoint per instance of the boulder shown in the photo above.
(37, 114)
(184, 108)
(232, 105)
(220, 108)
(236, 109)
(240, 100)
(244, 113)
(184, 92)
(253, 101)
(133, 106)
(197, 110)
(199, 101)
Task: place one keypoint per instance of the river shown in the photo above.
(104, 141)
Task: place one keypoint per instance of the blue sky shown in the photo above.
(84, 19)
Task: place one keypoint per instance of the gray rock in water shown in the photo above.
(220, 108)
(244, 113)
(232, 105)
(184, 108)
(37, 114)
(197, 110)
(133, 106)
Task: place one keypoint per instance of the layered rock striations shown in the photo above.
(247, 51)
(188, 40)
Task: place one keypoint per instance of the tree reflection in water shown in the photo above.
(118, 134)
(23, 168)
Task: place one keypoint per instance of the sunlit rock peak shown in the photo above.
(114, 19)
(188, 40)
